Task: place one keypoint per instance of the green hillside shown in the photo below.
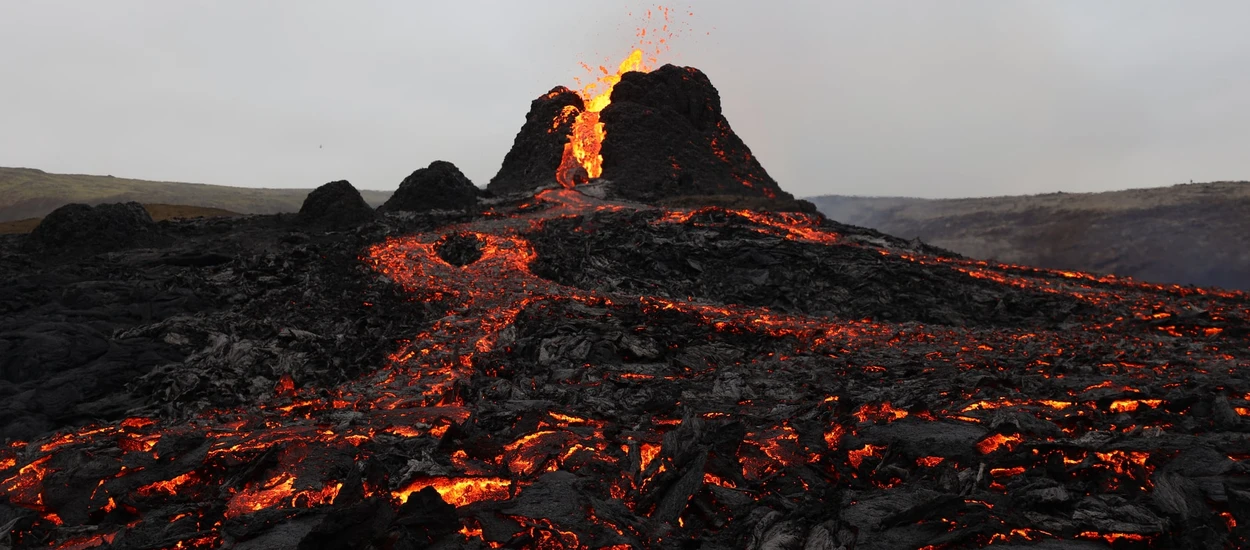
(28, 193)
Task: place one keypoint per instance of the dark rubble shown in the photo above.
(561, 372)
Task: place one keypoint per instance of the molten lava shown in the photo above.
(581, 160)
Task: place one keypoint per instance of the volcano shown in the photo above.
(559, 367)
(654, 134)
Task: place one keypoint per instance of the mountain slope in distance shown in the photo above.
(1188, 234)
(29, 193)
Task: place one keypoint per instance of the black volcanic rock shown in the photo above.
(539, 145)
(440, 186)
(97, 228)
(335, 204)
(666, 136)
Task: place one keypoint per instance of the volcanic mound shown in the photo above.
(664, 136)
(439, 186)
(335, 204)
(96, 228)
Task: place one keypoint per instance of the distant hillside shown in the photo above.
(28, 193)
(1188, 234)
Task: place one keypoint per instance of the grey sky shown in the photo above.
(933, 99)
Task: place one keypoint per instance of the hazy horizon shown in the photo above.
(958, 100)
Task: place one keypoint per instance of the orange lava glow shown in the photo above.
(712, 479)
(996, 441)
(833, 436)
(279, 492)
(1017, 534)
(586, 138)
(648, 452)
(88, 541)
(857, 456)
(877, 413)
(1007, 472)
(1130, 405)
(1111, 538)
(1121, 462)
(169, 487)
(26, 488)
(461, 491)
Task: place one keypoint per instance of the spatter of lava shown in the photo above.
(581, 160)
(418, 397)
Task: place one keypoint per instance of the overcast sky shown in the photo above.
(933, 99)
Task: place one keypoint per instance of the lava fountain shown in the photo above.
(581, 161)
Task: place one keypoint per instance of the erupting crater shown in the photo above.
(654, 134)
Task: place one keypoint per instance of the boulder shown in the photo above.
(335, 204)
(440, 186)
(104, 227)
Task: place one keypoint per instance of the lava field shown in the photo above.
(566, 367)
(567, 372)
